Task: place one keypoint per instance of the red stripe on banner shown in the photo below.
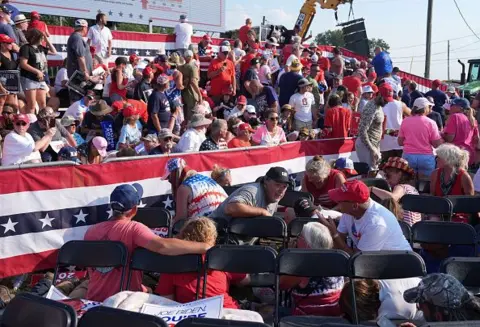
(27, 263)
(52, 178)
(50, 6)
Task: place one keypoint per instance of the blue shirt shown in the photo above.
(7, 29)
(382, 64)
(158, 104)
(288, 85)
(13, 9)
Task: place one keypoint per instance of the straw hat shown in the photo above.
(101, 108)
(398, 163)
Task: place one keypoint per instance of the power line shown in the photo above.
(419, 45)
(466, 23)
(436, 60)
(442, 52)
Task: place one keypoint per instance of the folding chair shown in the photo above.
(155, 218)
(252, 259)
(384, 265)
(28, 310)
(93, 254)
(362, 168)
(296, 225)
(292, 196)
(471, 323)
(444, 232)
(377, 182)
(466, 270)
(265, 227)
(427, 204)
(110, 317)
(220, 223)
(465, 204)
(145, 260)
(307, 263)
(407, 231)
(208, 322)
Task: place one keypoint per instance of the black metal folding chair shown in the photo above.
(384, 265)
(220, 223)
(407, 231)
(292, 196)
(145, 260)
(466, 270)
(208, 322)
(295, 227)
(444, 232)
(307, 263)
(471, 323)
(110, 317)
(155, 218)
(377, 182)
(362, 168)
(263, 227)
(93, 254)
(28, 310)
(427, 204)
(468, 204)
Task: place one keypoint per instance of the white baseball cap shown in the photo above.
(422, 103)
(224, 48)
(367, 89)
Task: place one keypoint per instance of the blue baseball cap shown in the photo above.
(125, 197)
(461, 102)
(68, 153)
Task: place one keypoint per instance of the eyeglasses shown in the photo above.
(273, 118)
(168, 139)
(21, 123)
(7, 113)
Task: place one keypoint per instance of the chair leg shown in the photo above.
(354, 302)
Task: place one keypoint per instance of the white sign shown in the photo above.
(206, 308)
(204, 15)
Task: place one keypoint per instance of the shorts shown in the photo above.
(298, 124)
(28, 84)
(422, 163)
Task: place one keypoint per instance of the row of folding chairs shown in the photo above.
(261, 261)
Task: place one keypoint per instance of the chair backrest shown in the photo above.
(93, 254)
(145, 260)
(287, 201)
(406, 230)
(443, 232)
(155, 218)
(465, 203)
(208, 322)
(305, 263)
(105, 316)
(386, 265)
(466, 270)
(28, 310)
(377, 182)
(362, 168)
(258, 227)
(220, 223)
(471, 323)
(252, 259)
(427, 204)
(295, 227)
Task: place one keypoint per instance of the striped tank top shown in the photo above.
(207, 195)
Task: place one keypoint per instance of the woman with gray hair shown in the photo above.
(419, 135)
(451, 176)
(314, 296)
(319, 179)
(217, 138)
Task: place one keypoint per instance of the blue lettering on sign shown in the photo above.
(178, 318)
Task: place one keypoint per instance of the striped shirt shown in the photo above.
(205, 57)
(319, 298)
(410, 217)
(207, 195)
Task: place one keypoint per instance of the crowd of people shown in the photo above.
(248, 94)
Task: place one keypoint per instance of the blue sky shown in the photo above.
(402, 23)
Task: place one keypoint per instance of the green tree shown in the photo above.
(335, 38)
(373, 43)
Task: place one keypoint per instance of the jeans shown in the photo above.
(41, 288)
(423, 164)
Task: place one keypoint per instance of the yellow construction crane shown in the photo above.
(308, 11)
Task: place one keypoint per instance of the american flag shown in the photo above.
(42, 208)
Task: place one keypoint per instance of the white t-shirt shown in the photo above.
(302, 103)
(393, 306)
(77, 109)
(393, 83)
(18, 149)
(377, 230)
(106, 88)
(263, 74)
(100, 37)
(394, 115)
(190, 141)
(183, 32)
(59, 78)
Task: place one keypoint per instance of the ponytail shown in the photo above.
(470, 113)
(463, 159)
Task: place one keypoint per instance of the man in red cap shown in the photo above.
(144, 88)
(242, 140)
(222, 75)
(133, 60)
(354, 85)
(36, 23)
(369, 225)
(205, 56)
(372, 77)
(439, 98)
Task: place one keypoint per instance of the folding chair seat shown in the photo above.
(28, 310)
(362, 168)
(427, 204)
(93, 254)
(263, 227)
(377, 182)
(155, 218)
(110, 317)
(145, 260)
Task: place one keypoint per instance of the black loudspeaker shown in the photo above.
(355, 37)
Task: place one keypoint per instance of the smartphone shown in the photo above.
(224, 64)
(52, 123)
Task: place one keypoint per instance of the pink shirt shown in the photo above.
(105, 282)
(263, 137)
(419, 133)
(459, 125)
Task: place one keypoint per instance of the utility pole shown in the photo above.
(428, 51)
(448, 60)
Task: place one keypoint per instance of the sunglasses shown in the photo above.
(21, 123)
(168, 139)
(273, 118)
(7, 113)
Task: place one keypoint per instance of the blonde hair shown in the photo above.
(319, 167)
(199, 229)
(453, 156)
(470, 113)
(218, 172)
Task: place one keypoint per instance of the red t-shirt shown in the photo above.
(38, 24)
(305, 62)
(242, 33)
(105, 282)
(222, 81)
(372, 85)
(320, 76)
(320, 195)
(339, 120)
(286, 52)
(117, 106)
(324, 63)
(237, 143)
(245, 65)
(353, 84)
(184, 286)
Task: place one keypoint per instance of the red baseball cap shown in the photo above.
(246, 127)
(352, 191)
(132, 57)
(207, 37)
(129, 111)
(242, 100)
(372, 75)
(436, 83)
(255, 46)
(147, 71)
(386, 91)
(6, 39)
(21, 117)
(34, 14)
